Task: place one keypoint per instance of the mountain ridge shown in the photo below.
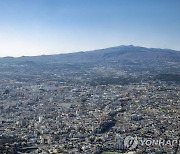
(118, 53)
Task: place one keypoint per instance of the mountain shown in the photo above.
(122, 65)
(120, 53)
(131, 59)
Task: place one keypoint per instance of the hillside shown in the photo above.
(129, 53)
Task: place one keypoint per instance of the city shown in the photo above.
(78, 109)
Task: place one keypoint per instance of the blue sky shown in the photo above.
(36, 27)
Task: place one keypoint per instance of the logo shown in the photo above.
(131, 142)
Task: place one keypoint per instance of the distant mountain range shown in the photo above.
(126, 63)
(129, 53)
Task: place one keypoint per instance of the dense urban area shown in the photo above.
(88, 105)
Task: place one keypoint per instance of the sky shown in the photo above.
(37, 27)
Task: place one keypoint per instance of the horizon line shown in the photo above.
(71, 52)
